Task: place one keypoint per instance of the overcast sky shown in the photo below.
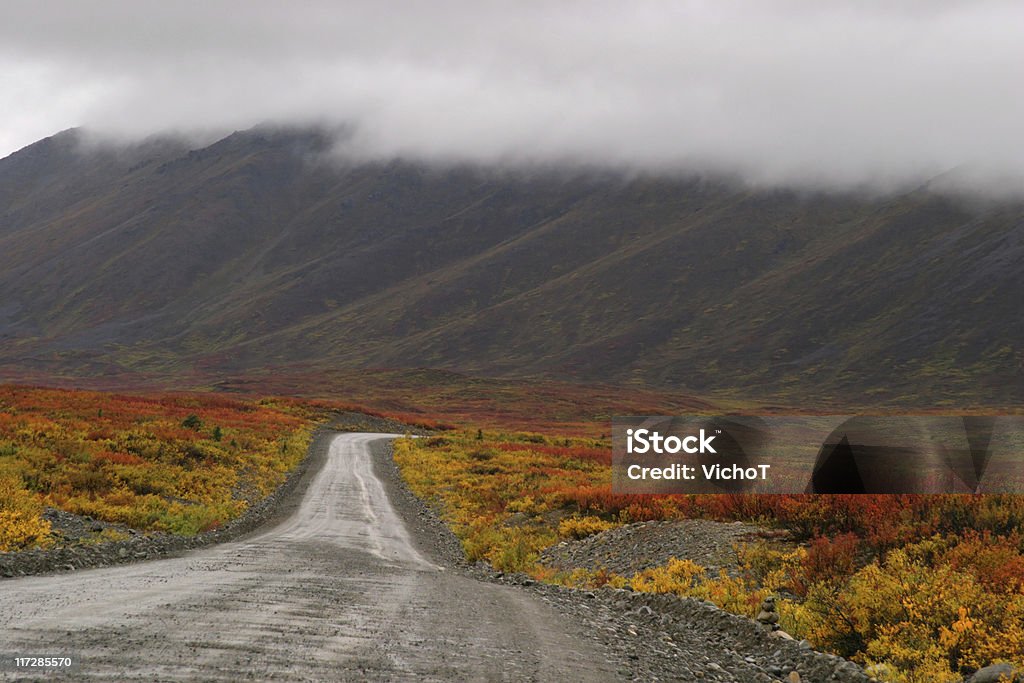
(819, 91)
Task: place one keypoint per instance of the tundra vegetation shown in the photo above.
(174, 463)
(921, 588)
(925, 588)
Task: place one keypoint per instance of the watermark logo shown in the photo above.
(818, 454)
(647, 441)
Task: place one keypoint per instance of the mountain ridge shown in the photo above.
(258, 251)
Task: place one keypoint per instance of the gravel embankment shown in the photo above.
(631, 548)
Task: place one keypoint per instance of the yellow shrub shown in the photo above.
(21, 524)
(677, 576)
(732, 594)
(928, 623)
(581, 527)
(526, 505)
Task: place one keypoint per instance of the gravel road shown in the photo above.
(338, 590)
(350, 577)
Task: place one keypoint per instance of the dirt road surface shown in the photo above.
(337, 591)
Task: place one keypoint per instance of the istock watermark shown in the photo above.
(646, 441)
(818, 454)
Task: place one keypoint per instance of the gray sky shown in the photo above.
(817, 91)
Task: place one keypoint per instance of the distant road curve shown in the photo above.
(336, 592)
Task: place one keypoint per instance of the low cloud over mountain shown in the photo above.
(823, 93)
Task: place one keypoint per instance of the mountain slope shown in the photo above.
(259, 252)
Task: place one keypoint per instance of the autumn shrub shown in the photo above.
(21, 523)
(676, 576)
(143, 461)
(767, 564)
(580, 527)
(686, 578)
(827, 560)
(510, 549)
(930, 622)
(503, 503)
(997, 562)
